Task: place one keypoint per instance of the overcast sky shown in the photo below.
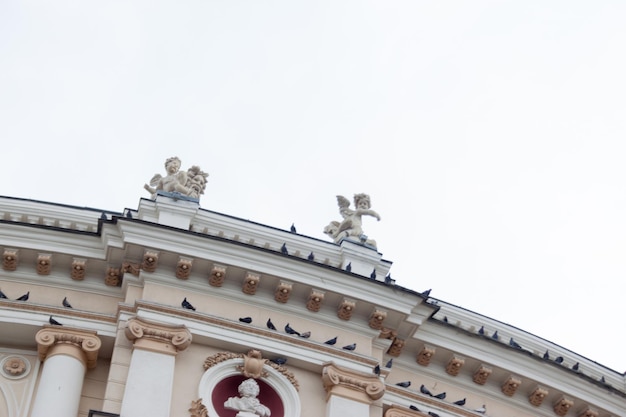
(489, 134)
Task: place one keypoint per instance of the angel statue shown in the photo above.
(350, 227)
(191, 183)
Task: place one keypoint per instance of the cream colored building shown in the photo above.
(127, 346)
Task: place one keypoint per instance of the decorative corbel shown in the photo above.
(198, 409)
(481, 375)
(282, 292)
(510, 386)
(10, 259)
(113, 277)
(562, 406)
(133, 268)
(218, 273)
(396, 347)
(376, 318)
(425, 355)
(537, 396)
(183, 267)
(44, 264)
(346, 308)
(78, 269)
(250, 283)
(316, 297)
(454, 365)
(150, 260)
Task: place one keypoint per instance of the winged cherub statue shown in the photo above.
(351, 225)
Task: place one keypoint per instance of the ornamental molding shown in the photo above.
(83, 345)
(15, 367)
(355, 385)
(157, 337)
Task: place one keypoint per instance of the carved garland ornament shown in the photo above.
(198, 409)
(252, 367)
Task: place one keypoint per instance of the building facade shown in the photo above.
(171, 310)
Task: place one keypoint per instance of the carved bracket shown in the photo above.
(425, 355)
(537, 396)
(113, 277)
(44, 264)
(454, 365)
(250, 283)
(346, 308)
(10, 259)
(78, 269)
(376, 318)
(481, 375)
(282, 292)
(218, 274)
(395, 349)
(150, 261)
(183, 267)
(314, 303)
(510, 386)
(562, 406)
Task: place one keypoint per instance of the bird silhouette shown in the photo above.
(426, 293)
(129, 215)
(305, 335)
(270, 325)
(311, 257)
(373, 274)
(575, 367)
(412, 407)
(2, 295)
(445, 319)
(430, 413)
(425, 390)
(495, 336)
(186, 304)
(481, 331)
(293, 228)
(54, 322)
(331, 341)
(283, 249)
(349, 347)
(460, 402)
(247, 320)
(441, 396)
(289, 330)
(388, 279)
(103, 216)
(23, 297)
(349, 267)
(377, 369)
(279, 361)
(389, 363)
(66, 303)
(514, 344)
(481, 410)
(404, 384)
(546, 355)
(603, 380)
(559, 359)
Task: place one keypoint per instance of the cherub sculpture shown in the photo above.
(247, 403)
(351, 226)
(191, 183)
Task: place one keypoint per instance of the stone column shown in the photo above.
(150, 379)
(350, 393)
(66, 353)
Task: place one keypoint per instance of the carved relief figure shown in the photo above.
(191, 183)
(351, 226)
(247, 403)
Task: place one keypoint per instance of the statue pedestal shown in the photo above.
(246, 414)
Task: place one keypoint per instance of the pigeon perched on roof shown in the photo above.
(283, 249)
(23, 297)
(576, 366)
(290, 330)
(546, 355)
(2, 295)
(270, 325)
(441, 396)
(293, 228)
(373, 274)
(559, 359)
(377, 369)
(389, 363)
(279, 361)
(412, 407)
(54, 322)
(349, 347)
(186, 304)
(331, 341)
(349, 267)
(404, 384)
(311, 257)
(481, 410)
(514, 344)
(425, 390)
(460, 402)
(305, 335)
(495, 335)
(426, 293)
(66, 303)
(247, 320)
(481, 331)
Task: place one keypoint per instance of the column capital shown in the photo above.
(351, 384)
(157, 337)
(83, 345)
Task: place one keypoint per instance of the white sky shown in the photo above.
(489, 134)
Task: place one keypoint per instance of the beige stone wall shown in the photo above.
(94, 387)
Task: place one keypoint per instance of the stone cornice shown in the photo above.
(351, 384)
(157, 337)
(80, 344)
